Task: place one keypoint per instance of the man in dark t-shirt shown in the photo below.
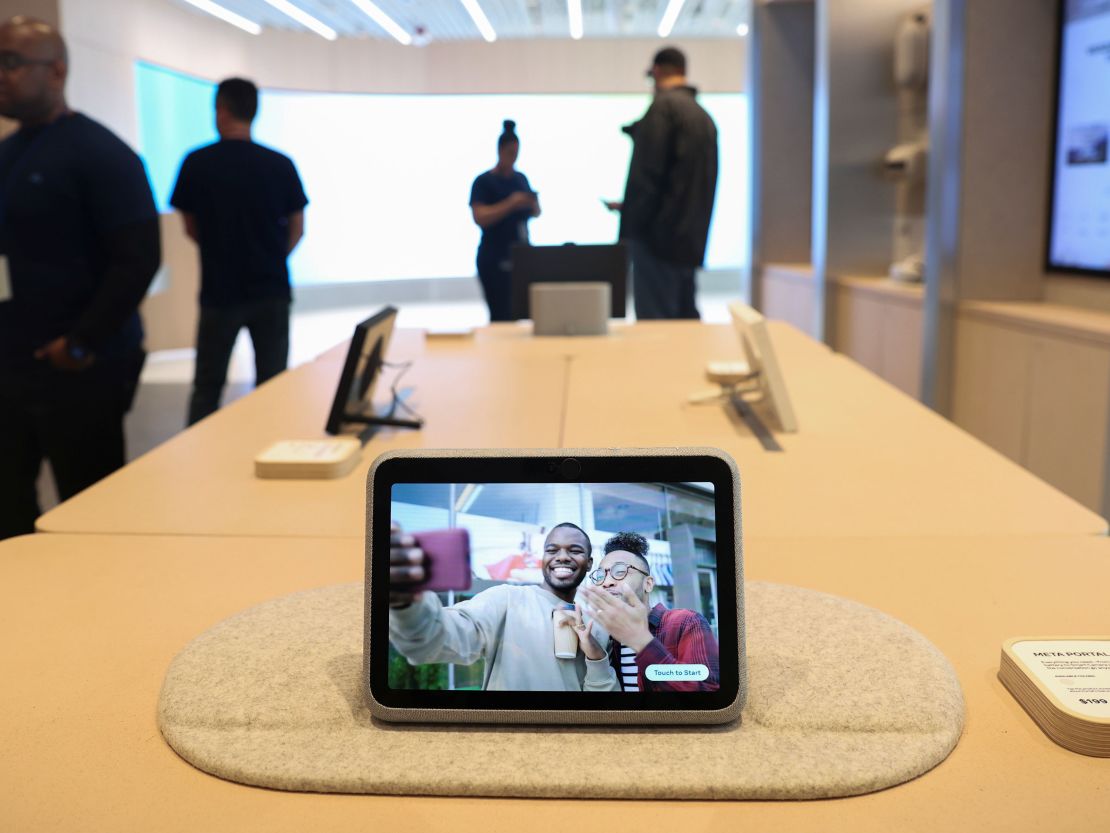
(79, 246)
(244, 206)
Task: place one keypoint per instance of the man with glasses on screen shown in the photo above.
(79, 246)
(509, 626)
(645, 637)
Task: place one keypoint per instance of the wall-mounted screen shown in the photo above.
(388, 176)
(1079, 234)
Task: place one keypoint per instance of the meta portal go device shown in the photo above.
(591, 586)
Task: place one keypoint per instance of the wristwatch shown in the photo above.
(78, 351)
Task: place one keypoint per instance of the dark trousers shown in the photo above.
(266, 320)
(497, 288)
(661, 289)
(73, 420)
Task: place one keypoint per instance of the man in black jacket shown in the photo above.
(668, 199)
(79, 246)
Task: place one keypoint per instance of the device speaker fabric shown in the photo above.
(842, 700)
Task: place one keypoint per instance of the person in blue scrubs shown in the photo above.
(502, 202)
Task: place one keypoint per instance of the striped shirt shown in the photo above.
(627, 671)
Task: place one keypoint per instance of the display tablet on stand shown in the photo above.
(640, 544)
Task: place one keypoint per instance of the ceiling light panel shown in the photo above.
(375, 13)
(670, 17)
(226, 15)
(574, 18)
(302, 17)
(448, 20)
(481, 22)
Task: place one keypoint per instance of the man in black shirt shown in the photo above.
(668, 199)
(79, 246)
(244, 206)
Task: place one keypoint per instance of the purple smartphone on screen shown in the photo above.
(446, 560)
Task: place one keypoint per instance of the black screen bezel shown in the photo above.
(569, 263)
(385, 318)
(630, 469)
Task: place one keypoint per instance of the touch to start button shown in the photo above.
(677, 673)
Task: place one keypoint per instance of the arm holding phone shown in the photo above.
(420, 627)
(426, 631)
(490, 215)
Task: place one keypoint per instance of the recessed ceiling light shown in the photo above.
(304, 18)
(742, 30)
(390, 25)
(480, 19)
(574, 15)
(226, 15)
(670, 16)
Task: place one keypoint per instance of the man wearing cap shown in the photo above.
(668, 198)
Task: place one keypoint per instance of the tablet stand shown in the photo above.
(738, 396)
(374, 421)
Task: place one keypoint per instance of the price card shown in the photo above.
(308, 451)
(1075, 671)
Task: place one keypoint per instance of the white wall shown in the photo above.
(782, 126)
(106, 37)
(1007, 148)
(1075, 291)
(862, 123)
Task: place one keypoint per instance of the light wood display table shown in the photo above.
(867, 460)
(202, 481)
(92, 622)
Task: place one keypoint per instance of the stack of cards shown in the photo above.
(308, 459)
(1064, 684)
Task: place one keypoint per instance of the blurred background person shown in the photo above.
(668, 198)
(243, 206)
(502, 202)
(79, 246)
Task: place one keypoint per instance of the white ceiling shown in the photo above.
(448, 20)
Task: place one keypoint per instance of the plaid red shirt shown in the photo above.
(681, 636)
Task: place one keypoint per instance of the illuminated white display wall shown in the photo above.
(388, 176)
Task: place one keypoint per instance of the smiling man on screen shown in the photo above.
(509, 626)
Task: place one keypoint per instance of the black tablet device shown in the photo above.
(569, 263)
(598, 586)
(354, 395)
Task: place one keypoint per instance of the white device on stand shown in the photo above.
(756, 378)
(570, 309)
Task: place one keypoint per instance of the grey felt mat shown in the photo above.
(843, 700)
